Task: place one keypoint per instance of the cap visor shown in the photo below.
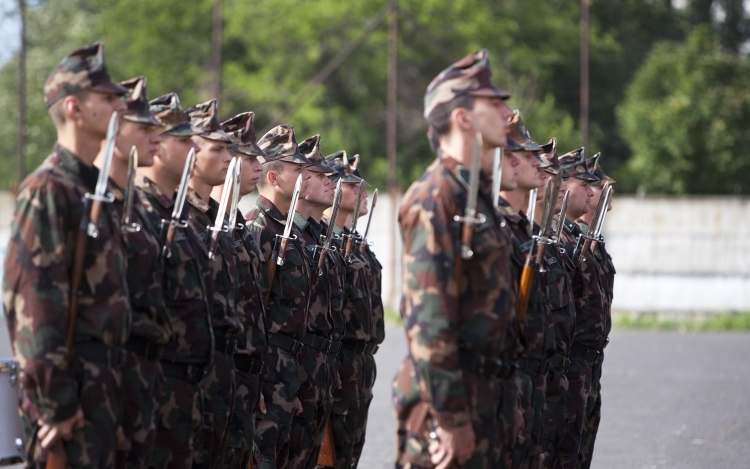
(251, 149)
(490, 92)
(512, 145)
(110, 87)
(218, 135)
(150, 120)
(320, 168)
(184, 130)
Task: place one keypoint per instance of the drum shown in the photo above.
(11, 441)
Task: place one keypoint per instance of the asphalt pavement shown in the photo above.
(669, 400)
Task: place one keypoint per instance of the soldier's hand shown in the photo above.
(452, 444)
(262, 405)
(50, 432)
(297, 406)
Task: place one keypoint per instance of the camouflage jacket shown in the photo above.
(375, 282)
(608, 281)
(536, 334)
(286, 311)
(441, 319)
(560, 294)
(357, 309)
(319, 313)
(250, 293)
(185, 294)
(587, 281)
(220, 273)
(336, 286)
(145, 275)
(36, 285)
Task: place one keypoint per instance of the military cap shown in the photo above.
(81, 70)
(574, 163)
(354, 164)
(311, 149)
(168, 110)
(280, 144)
(137, 101)
(548, 155)
(341, 167)
(241, 129)
(205, 116)
(593, 165)
(469, 76)
(520, 134)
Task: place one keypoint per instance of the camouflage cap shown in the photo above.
(469, 76)
(206, 116)
(548, 154)
(241, 129)
(311, 149)
(354, 164)
(168, 110)
(137, 101)
(518, 132)
(593, 166)
(574, 163)
(280, 144)
(339, 162)
(83, 69)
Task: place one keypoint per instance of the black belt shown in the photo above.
(532, 366)
(583, 352)
(285, 342)
(225, 344)
(480, 364)
(335, 347)
(191, 373)
(114, 357)
(372, 348)
(248, 364)
(356, 346)
(145, 348)
(559, 363)
(318, 342)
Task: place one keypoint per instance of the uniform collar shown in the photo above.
(148, 186)
(196, 200)
(267, 206)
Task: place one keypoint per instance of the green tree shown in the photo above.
(686, 116)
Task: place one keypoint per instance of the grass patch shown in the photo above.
(686, 322)
(393, 318)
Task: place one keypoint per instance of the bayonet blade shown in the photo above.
(497, 175)
(355, 216)
(334, 214)
(531, 209)
(563, 212)
(551, 190)
(236, 182)
(292, 208)
(100, 193)
(126, 224)
(187, 173)
(476, 159)
(606, 196)
(598, 212)
(228, 183)
(373, 202)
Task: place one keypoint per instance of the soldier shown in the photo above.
(317, 366)
(185, 359)
(602, 257)
(248, 361)
(287, 292)
(562, 316)
(151, 328)
(74, 400)
(349, 399)
(457, 311)
(220, 275)
(535, 334)
(588, 336)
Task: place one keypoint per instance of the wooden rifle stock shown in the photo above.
(272, 267)
(321, 260)
(349, 244)
(327, 454)
(57, 458)
(525, 283)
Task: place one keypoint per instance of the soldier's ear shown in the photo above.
(462, 119)
(71, 107)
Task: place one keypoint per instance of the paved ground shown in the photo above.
(670, 400)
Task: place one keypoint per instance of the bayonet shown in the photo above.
(219, 225)
(179, 203)
(561, 219)
(331, 225)
(497, 176)
(597, 235)
(100, 195)
(531, 210)
(373, 202)
(596, 221)
(551, 189)
(279, 246)
(233, 207)
(355, 216)
(470, 217)
(127, 225)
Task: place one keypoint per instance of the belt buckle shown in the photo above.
(329, 345)
(606, 342)
(296, 347)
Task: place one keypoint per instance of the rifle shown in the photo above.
(355, 216)
(219, 225)
(331, 226)
(497, 176)
(597, 221)
(127, 226)
(236, 182)
(57, 458)
(179, 202)
(327, 453)
(561, 220)
(551, 189)
(529, 265)
(279, 245)
(363, 242)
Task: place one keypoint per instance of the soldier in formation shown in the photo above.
(153, 324)
(507, 289)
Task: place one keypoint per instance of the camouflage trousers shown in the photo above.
(579, 386)
(179, 420)
(554, 418)
(346, 403)
(239, 447)
(218, 403)
(142, 382)
(369, 374)
(405, 395)
(528, 448)
(94, 445)
(593, 416)
(318, 378)
(279, 392)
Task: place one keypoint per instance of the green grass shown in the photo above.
(393, 318)
(688, 322)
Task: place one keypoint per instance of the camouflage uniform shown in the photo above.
(37, 289)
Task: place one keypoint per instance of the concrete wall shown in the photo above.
(671, 254)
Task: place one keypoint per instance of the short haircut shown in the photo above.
(275, 166)
(440, 117)
(57, 110)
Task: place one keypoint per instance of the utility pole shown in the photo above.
(218, 25)
(391, 141)
(585, 5)
(22, 97)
